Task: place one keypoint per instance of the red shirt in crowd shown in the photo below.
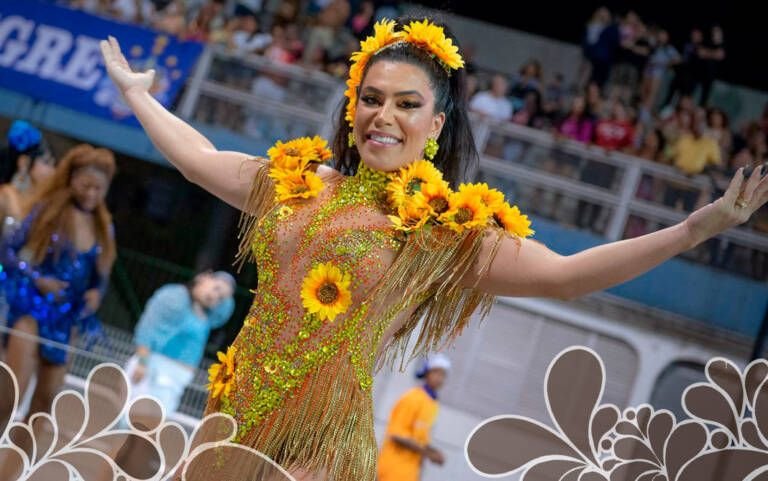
(614, 134)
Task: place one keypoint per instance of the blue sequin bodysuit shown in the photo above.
(56, 316)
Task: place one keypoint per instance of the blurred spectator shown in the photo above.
(597, 106)
(719, 130)
(58, 264)
(286, 12)
(361, 23)
(283, 49)
(493, 103)
(678, 123)
(579, 124)
(649, 188)
(615, 132)
(601, 39)
(652, 146)
(751, 148)
(531, 115)
(663, 57)
(712, 54)
(172, 333)
(529, 79)
(407, 442)
(692, 154)
(323, 33)
(246, 39)
(631, 57)
(554, 96)
(688, 73)
(171, 19)
(208, 18)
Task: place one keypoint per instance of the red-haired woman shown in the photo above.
(57, 264)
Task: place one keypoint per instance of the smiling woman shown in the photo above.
(355, 259)
(57, 265)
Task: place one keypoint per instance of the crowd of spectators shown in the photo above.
(637, 91)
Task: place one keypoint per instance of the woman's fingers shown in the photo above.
(734, 188)
(752, 183)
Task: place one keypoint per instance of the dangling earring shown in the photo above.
(351, 139)
(430, 148)
(21, 181)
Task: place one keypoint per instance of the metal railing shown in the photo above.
(260, 99)
(564, 181)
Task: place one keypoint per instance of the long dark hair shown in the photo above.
(457, 154)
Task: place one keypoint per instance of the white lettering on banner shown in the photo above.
(82, 71)
(11, 49)
(44, 58)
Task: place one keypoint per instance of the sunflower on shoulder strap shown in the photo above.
(292, 167)
(420, 198)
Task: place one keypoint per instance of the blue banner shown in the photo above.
(52, 53)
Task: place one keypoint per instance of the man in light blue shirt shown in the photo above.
(172, 332)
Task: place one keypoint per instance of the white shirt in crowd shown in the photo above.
(498, 108)
(245, 42)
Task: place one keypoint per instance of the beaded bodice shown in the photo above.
(281, 343)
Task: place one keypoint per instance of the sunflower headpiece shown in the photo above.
(423, 34)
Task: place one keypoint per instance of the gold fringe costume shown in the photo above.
(300, 388)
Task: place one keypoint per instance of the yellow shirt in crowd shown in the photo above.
(693, 155)
(412, 418)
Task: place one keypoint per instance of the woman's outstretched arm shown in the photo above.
(227, 175)
(530, 269)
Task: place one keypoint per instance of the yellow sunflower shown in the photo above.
(492, 198)
(221, 375)
(322, 152)
(412, 214)
(325, 291)
(513, 221)
(411, 179)
(295, 184)
(294, 154)
(353, 82)
(432, 38)
(436, 195)
(383, 34)
(465, 212)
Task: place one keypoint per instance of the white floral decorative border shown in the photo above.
(725, 439)
(104, 435)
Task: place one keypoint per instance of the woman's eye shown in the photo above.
(369, 100)
(407, 104)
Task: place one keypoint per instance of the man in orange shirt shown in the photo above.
(406, 444)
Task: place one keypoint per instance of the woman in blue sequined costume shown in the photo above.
(56, 267)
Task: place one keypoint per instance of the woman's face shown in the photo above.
(42, 169)
(89, 188)
(395, 115)
(209, 290)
